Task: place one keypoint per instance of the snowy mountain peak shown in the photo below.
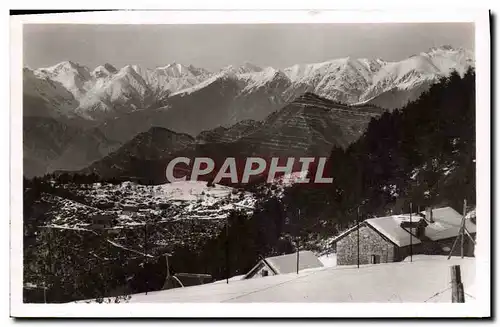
(128, 69)
(270, 73)
(28, 70)
(104, 71)
(176, 70)
(68, 64)
(226, 72)
(449, 52)
(246, 68)
(110, 67)
(228, 68)
(414, 73)
(445, 47)
(173, 69)
(268, 77)
(199, 86)
(65, 69)
(74, 77)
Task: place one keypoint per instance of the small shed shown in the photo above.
(284, 264)
(189, 279)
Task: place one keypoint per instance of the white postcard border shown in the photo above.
(480, 307)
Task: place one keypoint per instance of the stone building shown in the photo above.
(393, 238)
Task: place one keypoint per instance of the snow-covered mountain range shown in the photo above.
(109, 92)
(119, 104)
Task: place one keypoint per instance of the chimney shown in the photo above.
(428, 215)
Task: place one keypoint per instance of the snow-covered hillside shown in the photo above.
(172, 77)
(427, 279)
(411, 73)
(351, 80)
(247, 67)
(342, 80)
(75, 78)
(45, 97)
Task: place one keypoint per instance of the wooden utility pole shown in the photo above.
(44, 292)
(411, 236)
(102, 261)
(168, 266)
(357, 218)
(297, 239)
(49, 262)
(297, 255)
(45, 273)
(461, 235)
(227, 249)
(146, 252)
(462, 229)
(457, 288)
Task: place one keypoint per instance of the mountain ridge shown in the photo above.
(121, 103)
(308, 126)
(348, 79)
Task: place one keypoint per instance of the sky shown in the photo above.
(216, 46)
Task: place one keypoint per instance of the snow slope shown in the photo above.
(424, 280)
(342, 79)
(75, 78)
(417, 71)
(329, 260)
(45, 97)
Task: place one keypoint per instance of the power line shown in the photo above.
(438, 293)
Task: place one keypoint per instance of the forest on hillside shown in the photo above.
(424, 154)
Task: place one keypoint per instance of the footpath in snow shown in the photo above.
(426, 279)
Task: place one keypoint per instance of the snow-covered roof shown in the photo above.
(344, 233)
(446, 224)
(287, 263)
(391, 228)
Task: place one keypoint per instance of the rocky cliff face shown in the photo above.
(309, 126)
